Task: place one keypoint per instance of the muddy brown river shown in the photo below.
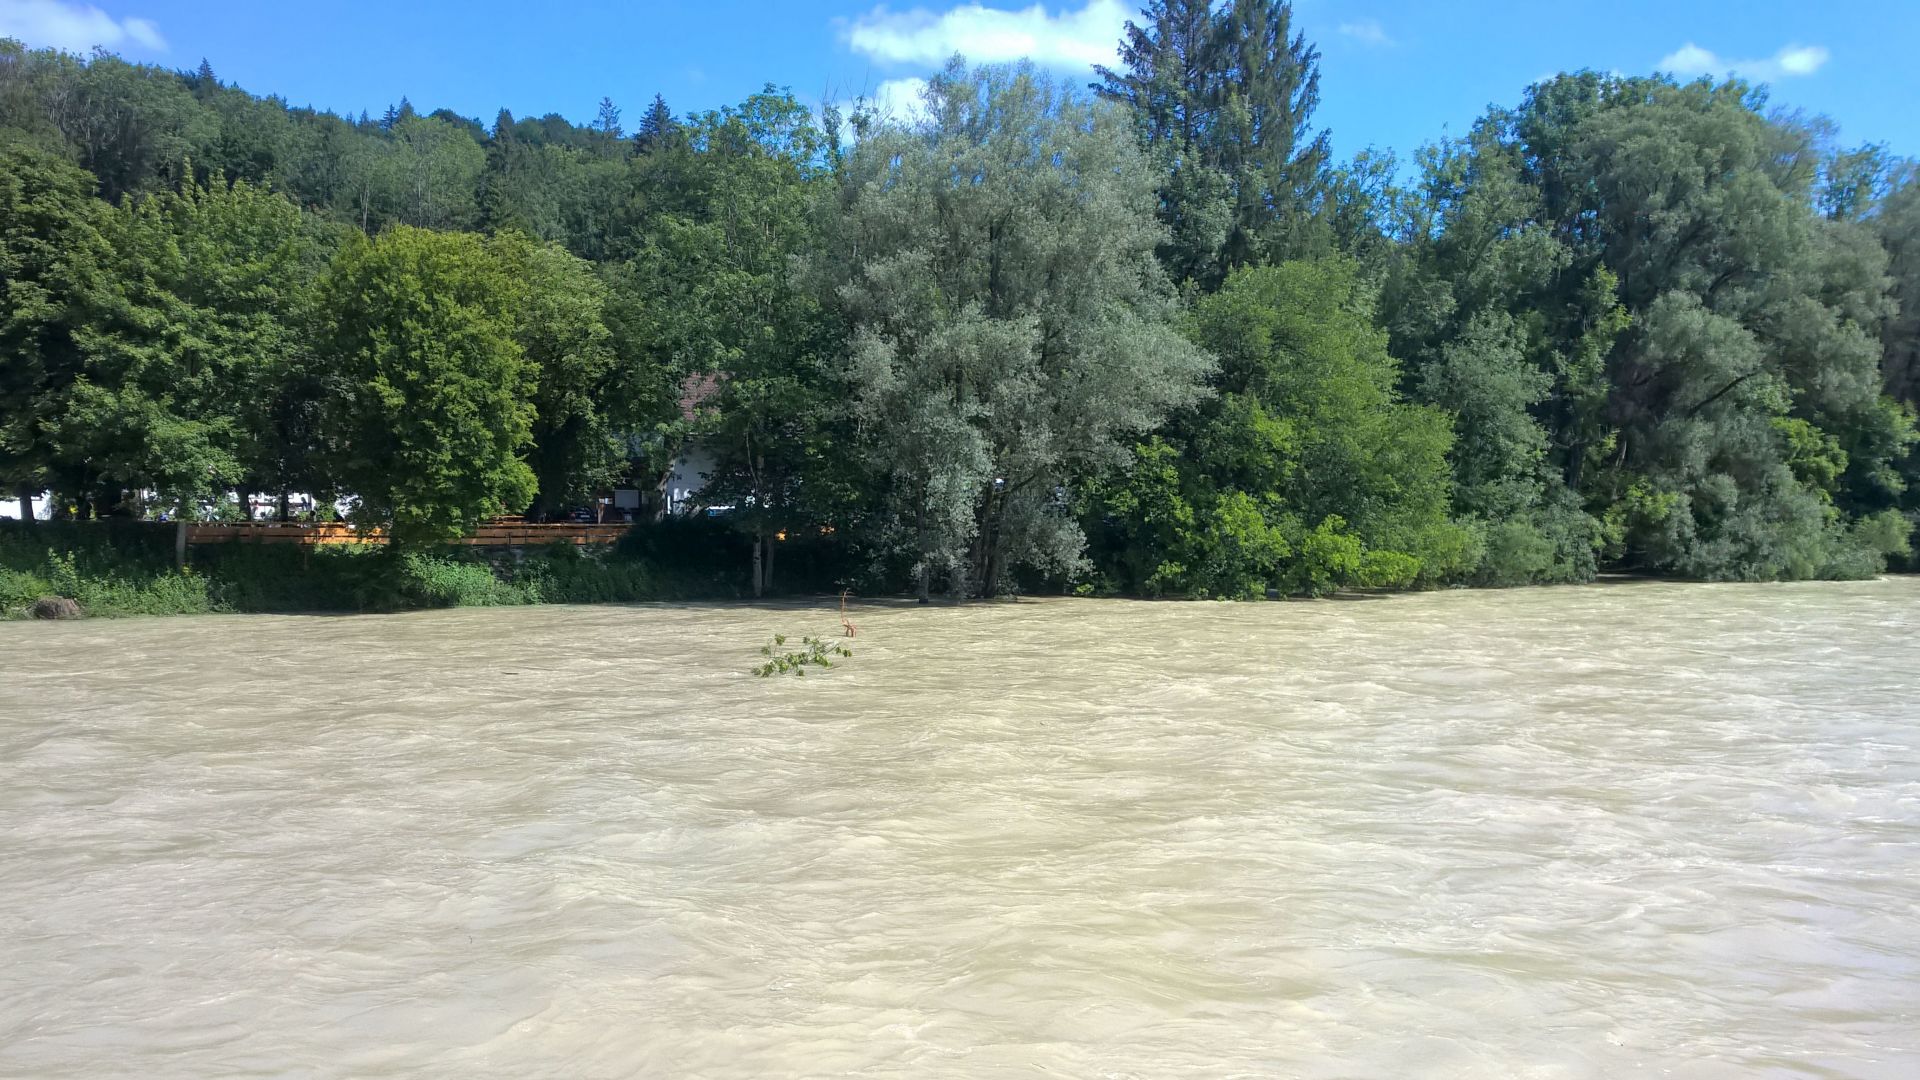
(1624, 830)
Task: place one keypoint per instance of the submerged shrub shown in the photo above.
(814, 652)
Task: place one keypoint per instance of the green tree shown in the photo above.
(726, 307)
(434, 409)
(499, 208)
(52, 253)
(1854, 182)
(1308, 472)
(130, 125)
(252, 133)
(656, 127)
(1011, 331)
(1223, 101)
(1657, 250)
(1266, 143)
(607, 131)
(187, 355)
(1171, 83)
(561, 328)
(1898, 226)
(436, 169)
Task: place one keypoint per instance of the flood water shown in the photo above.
(1627, 830)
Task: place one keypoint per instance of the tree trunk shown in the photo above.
(1576, 463)
(25, 492)
(283, 510)
(180, 542)
(986, 573)
(759, 565)
(771, 548)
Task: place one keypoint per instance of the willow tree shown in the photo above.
(1010, 325)
(1897, 222)
(1707, 338)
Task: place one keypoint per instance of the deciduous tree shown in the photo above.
(435, 405)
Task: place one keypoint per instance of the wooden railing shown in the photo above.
(506, 533)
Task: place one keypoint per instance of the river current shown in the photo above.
(1623, 830)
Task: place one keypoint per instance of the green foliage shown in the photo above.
(1221, 97)
(109, 572)
(187, 355)
(1139, 516)
(566, 574)
(1628, 322)
(52, 254)
(1307, 473)
(1887, 533)
(1238, 554)
(429, 581)
(1635, 268)
(433, 411)
(813, 652)
(1330, 556)
(1011, 333)
(559, 317)
(728, 313)
(1515, 553)
(125, 568)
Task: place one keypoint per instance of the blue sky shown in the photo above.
(1395, 73)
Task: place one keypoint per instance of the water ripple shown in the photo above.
(1630, 830)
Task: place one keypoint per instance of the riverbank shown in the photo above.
(117, 569)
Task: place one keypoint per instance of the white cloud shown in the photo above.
(1691, 59)
(74, 27)
(1079, 38)
(902, 99)
(1366, 32)
(1801, 59)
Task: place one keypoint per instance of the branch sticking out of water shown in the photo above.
(814, 652)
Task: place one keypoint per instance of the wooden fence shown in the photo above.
(493, 534)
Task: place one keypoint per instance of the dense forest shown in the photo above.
(1147, 336)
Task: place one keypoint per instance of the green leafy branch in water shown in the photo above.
(814, 652)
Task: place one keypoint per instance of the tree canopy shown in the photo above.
(435, 410)
(1009, 324)
(1147, 336)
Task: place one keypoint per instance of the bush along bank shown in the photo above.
(126, 568)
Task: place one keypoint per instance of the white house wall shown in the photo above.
(692, 468)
